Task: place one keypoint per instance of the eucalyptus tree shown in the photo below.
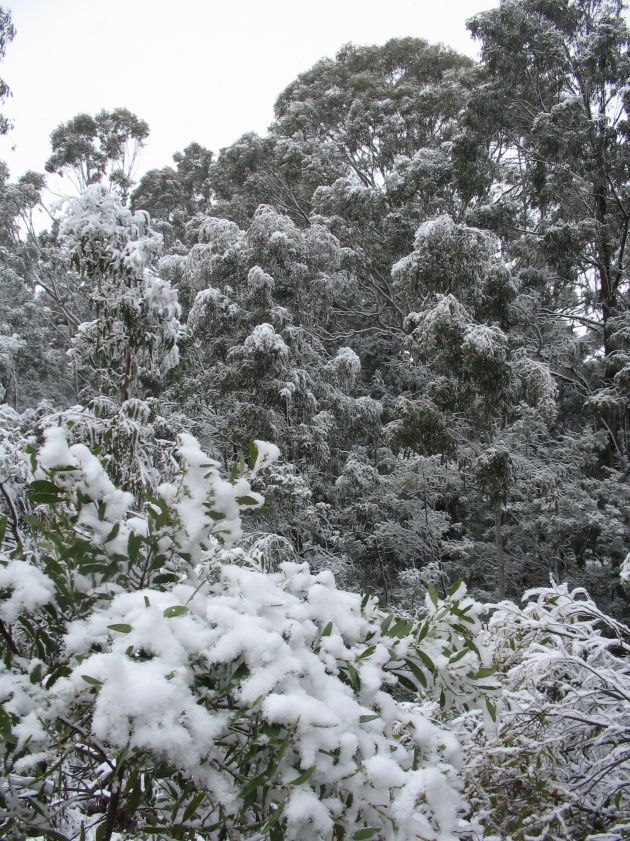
(473, 374)
(555, 110)
(88, 149)
(172, 196)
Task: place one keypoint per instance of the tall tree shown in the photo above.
(556, 112)
(88, 149)
(7, 33)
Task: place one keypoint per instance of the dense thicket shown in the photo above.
(414, 289)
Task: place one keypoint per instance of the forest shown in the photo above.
(314, 457)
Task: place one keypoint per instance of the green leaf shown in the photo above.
(355, 680)
(133, 546)
(400, 628)
(275, 832)
(5, 726)
(363, 719)
(404, 681)
(121, 628)
(327, 630)
(364, 834)
(428, 662)
(456, 657)
(194, 802)
(253, 784)
(45, 487)
(113, 533)
(253, 453)
(91, 568)
(91, 680)
(36, 675)
(3, 527)
(486, 671)
(304, 777)
(417, 672)
(455, 587)
(44, 498)
(215, 515)
(491, 709)
(166, 578)
(35, 523)
(175, 610)
(246, 500)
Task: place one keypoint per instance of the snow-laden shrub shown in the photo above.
(158, 683)
(558, 765)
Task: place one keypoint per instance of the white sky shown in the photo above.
(195, 70)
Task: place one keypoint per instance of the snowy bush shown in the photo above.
(159, 683)
(558, 766)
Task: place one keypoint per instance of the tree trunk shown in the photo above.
(498, 539)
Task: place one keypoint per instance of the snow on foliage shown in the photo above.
(104, 235)
(29, 589)
(136, 330)
(558, 765)
(346, 367)
(269, 696)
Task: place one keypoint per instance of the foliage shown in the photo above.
(89, 148)
(415, 286)
(135, 332)
(558, 766)
(168, 685)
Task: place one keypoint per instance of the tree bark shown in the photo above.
(498, 539)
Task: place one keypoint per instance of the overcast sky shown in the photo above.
(195, 70)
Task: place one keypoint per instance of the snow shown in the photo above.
(264, 340)
(96, 222)
(266, 455)
(485, 342)
(29, 589)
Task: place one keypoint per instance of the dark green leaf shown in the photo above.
(45, 487)
(246, 500)
(304, 777)
(416, 672)
(189, 811)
